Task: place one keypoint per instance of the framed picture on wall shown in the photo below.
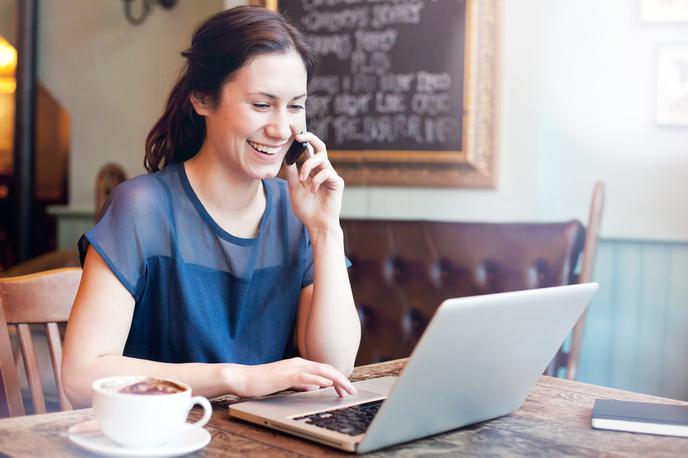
(664, 10)
(672, 84)
(405, 91)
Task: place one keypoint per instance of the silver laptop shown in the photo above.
(478, 359)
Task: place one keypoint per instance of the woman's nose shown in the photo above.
(279, 126)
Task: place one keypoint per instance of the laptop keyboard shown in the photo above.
(352, 420)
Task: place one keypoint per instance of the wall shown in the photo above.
(8, 23)
(597, 119)
(112, 77)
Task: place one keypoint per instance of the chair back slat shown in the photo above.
(592, 235)
(11, 390)
(55, 346)
(31, 367)
(41, 298)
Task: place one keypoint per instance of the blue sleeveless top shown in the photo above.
(202, 294)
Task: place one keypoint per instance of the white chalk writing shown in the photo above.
(335, 21)
(377, 100)
(338, 44)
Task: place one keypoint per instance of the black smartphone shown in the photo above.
(295, 150)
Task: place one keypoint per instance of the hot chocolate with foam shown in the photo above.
(152, 386)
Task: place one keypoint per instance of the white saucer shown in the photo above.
(88, 435)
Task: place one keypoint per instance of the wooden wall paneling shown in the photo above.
(652, 316)
(674, 374)
(625, 306)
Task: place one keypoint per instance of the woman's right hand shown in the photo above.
(288, 374)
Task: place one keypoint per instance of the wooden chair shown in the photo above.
(109, 176)
(592, 235)
(44, 298)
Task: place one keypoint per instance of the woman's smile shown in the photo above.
(265, 149)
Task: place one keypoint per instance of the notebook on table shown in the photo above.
(640, 417)
(477, 360)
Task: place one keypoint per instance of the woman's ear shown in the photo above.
(201, 103)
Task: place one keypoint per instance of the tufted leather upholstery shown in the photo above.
(402, 270)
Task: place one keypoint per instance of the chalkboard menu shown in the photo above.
(390, 74)
(404, 93)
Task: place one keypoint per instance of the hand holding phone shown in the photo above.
(295, 150)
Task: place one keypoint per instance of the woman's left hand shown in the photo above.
(316, 189)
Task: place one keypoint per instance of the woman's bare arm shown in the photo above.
(328, 328)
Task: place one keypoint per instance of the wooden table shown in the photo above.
(553, 421)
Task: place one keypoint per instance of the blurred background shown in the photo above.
(580, 87)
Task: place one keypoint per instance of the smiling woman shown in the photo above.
(210, 270)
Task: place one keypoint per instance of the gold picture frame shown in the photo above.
(475, 164)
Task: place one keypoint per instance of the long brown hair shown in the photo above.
(219, 47)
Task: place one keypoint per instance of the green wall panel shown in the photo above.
(636, 333)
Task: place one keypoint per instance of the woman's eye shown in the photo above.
(261, 106)
(297, 107)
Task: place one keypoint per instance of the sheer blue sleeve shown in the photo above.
(308, 273)
(134, 227)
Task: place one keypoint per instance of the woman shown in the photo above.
(209, 270)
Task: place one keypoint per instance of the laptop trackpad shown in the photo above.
(325, 399)
(314, 401)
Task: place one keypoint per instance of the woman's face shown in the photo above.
(260, 110)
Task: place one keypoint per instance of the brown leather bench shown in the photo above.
(402, 270)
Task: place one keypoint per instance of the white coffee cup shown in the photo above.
(140, 420)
